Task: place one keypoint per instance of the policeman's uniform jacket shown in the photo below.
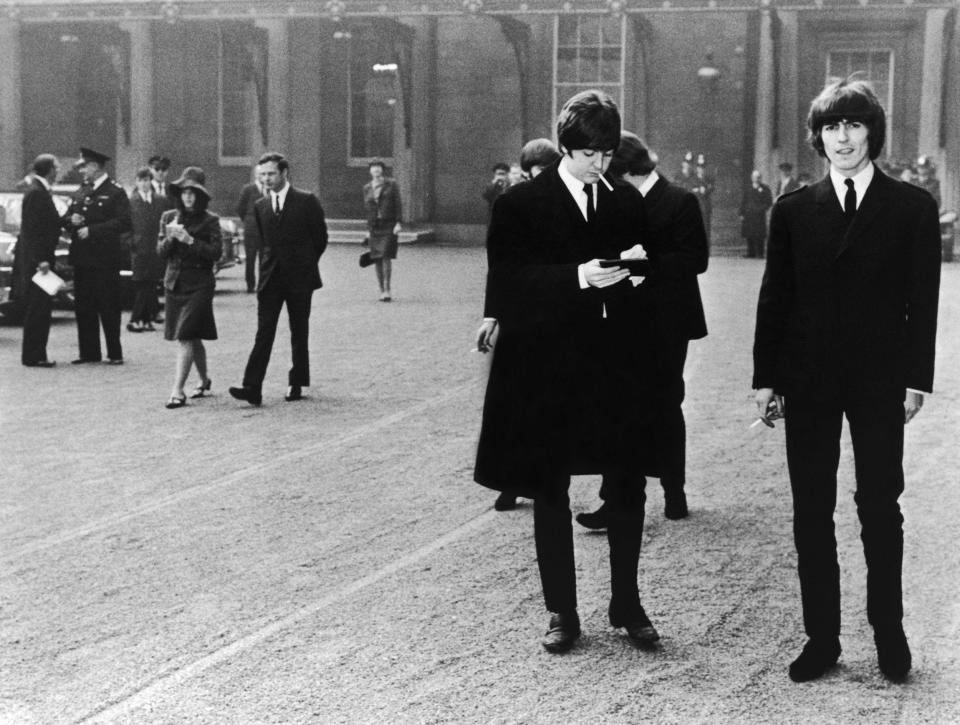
(106, 213)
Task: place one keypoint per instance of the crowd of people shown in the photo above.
(591, 302)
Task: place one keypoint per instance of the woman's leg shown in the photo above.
(387, 267)
(184, 363)
(200, 360)
(378, 265)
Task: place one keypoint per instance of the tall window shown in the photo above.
(242, 78)
(875, 66)
(374, 87)
(589, 54)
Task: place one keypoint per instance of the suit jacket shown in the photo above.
(383, 210)
(849, 310)
(145, 218)
(190, 266)
(564, 377)
(291, 243)
(675, 224)
(106, 213)
(249, 195)
(39, 232)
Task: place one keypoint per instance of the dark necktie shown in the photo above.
(591, 209)
(849, 201)
(276, 204)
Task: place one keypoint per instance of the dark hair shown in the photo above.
(43, 164)
(501, 166)
(279, 159)
(144, 172)
(160, 163)
(377, 162)
(199, 206)
(589, 120)
(539, 152)
(848, 99)
(631, 157)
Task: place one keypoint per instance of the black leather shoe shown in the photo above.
(505, 502)
(893, 653)
(818, 656)
(42, 364)
(639, 629)
(563, 632)
(675, 505)
(252, 396)
(84, 360)
(595, 520)
(294, 392)
(115, 361)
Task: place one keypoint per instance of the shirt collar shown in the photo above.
(575, 186)
(652, 178)
(282, 194)
(860, 183)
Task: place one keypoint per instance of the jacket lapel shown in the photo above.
(874, 201)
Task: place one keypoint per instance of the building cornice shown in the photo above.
(181, 10)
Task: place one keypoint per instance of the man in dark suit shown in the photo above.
(36, 250)
(250, 194)
(676, 228)
(846, 326)
(294, 235)
(98, 218)
(788, 182)
(757, 200)
(562, 397)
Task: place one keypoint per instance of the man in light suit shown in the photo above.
(674, 221)
(846, 326)
(564, 393)
(35, 252)
(293, 235)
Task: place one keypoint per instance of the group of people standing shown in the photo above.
(592, 300)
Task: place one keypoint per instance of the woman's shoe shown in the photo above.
(201, 389)
(176, 402)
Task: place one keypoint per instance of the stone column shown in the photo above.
(417, 189)
(763, 151)
(142, 128)
(11, 110)
(791, 129)
(931, 87)
(278, 85)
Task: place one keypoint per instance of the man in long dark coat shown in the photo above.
(565, 390)
(757, 200)
(36, 250)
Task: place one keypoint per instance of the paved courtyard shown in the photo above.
(331, 561)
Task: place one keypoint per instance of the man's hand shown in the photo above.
(597, 276)
(76, 219)
(912, 403)
(43, 267)
(83, 232)
(767, 402)
(397, 228)
(485, 335)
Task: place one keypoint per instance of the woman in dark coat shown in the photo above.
(381, 198)
(146, 207)
(190, 243)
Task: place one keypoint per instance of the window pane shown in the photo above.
(589, 65)
(610, 65)
(589, 30)
(860, 62)
(611, 31)
(566, 64)
(567, 31)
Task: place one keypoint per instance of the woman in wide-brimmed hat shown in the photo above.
(190, 243)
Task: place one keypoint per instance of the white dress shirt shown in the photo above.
(282, 195)
(860, 183)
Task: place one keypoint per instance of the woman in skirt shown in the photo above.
(381, 199)
(190, 243)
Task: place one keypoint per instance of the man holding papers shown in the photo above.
(39, 234)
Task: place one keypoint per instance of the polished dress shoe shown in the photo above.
(563, 632)
(675, 505)
(294, 392)
(505, 502)
(595, 520)
(41, 364)
(252, 396)
(893, 653)
(638, 627)
(818, 656)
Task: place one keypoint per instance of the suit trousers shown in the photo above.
(97, 296)
(250, 266)
(270, 300)
(38, 306)
(553, 537)
(813, 428)
(146, 304)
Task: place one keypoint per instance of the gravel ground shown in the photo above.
(330, 561)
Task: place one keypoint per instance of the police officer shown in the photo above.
(99, 214)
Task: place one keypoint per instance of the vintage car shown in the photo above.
(11, 305)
